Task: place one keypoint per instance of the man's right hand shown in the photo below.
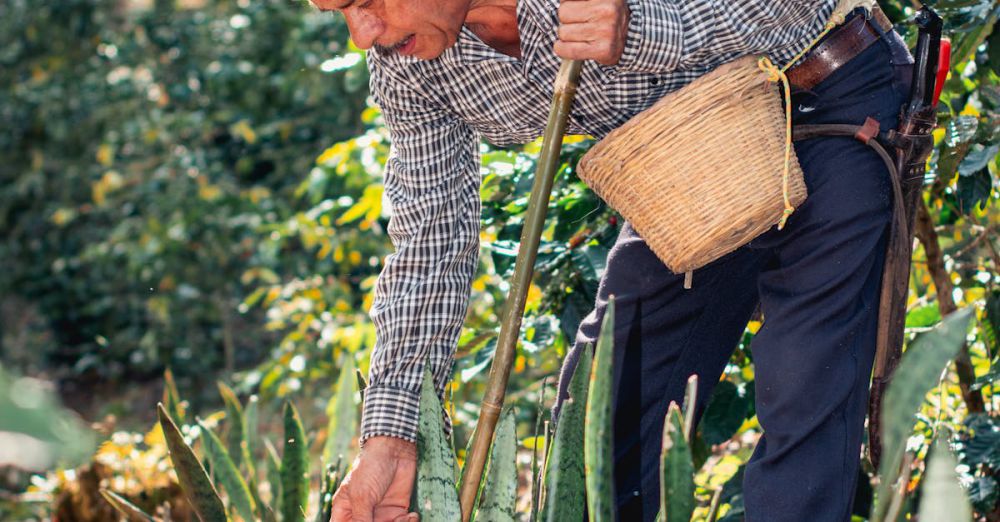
(379, 485)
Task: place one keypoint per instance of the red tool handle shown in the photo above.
(944, 65)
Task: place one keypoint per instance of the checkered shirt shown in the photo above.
(437, 111)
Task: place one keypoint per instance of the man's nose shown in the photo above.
(364, 26)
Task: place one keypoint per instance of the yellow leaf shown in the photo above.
(242, 129)
(324, 251)
(105, 155)
(62, 216)
(533, 442)
(331, 154)
(480, 283)
(154, 437)
(209, 192)
(534, 297)
(969, 110)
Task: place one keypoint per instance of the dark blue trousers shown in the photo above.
(817, 282)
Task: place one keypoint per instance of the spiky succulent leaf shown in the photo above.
(234, 422)
(227, 474)
(171, 397)
(250, 426)
(565, 491)
(294, 468)
(598, 443)
(342, 411)
(273, 475)
(130, 511)
(676, 470)
(194, 481)
(942, 498)
(921, 366)
(500, 491)
(436, 498)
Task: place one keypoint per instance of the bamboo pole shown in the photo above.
(564, 91)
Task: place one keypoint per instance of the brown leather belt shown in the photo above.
(838, 48)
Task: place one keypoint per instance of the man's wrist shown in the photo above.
(394, 446)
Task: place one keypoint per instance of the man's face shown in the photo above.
(420, 28)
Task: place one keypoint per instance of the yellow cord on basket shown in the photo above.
(774, 74)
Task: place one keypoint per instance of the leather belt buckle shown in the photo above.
(839, 47)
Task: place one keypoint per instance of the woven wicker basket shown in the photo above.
(699, 173)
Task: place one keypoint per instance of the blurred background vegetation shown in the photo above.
(196, 185)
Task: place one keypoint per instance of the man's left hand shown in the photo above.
(592, 30)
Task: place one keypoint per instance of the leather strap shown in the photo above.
(839, 47)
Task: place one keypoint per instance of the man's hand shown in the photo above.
(378, 487)
(592, 30)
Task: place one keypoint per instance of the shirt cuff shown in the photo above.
(393, 412)
(654, 43)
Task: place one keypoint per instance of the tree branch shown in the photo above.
(946, 303)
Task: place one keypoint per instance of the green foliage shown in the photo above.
(435, 496)
(342, 412)
(676, 470)
(235, 422)
(51, 433)
(294, 468)
(729, 406)
(598, 453)
(143, 152)
(127, 509)
(194, 480)
(499, 494)
(331, 478)
(922, 365)
(942, 498)
(227, 475)
(565, 494)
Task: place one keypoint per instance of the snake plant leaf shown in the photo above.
(676, 470)
(171, 397)
(294, 468)
(565, 490)
(690, 405)
(597, 442)
(922, 364)
(500, 491)
(342, 411)
(195, 484)
(227, 474)
(436, 498)
(251, 441)
(130, 511)
(251, 424)
(273, 475)
(234, 422)
(942, 498)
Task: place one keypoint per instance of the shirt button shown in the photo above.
(654, 81)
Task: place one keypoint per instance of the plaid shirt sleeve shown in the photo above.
(432, 183)
(665, 35)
